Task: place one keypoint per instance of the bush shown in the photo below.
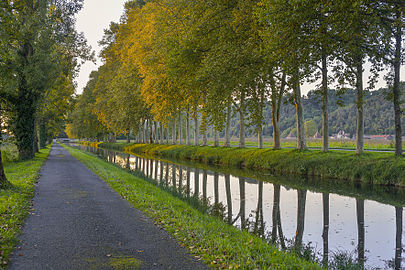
(9, 152)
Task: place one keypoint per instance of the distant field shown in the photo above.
(370, 144)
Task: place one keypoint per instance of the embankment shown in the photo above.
(371, 167)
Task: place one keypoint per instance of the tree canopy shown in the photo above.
(167, 62)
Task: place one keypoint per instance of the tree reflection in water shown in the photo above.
(172, 181)
(228, 197)
(259, 222)
(398, 239)
(325, 233)
(196, 182)
(205, 183)
(301, 198)
(360, 228)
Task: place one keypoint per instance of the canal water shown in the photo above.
(331, 219)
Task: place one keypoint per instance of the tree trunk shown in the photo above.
(325, 119)
(228, 126)
(188, 132)
(161, 133)
(4, 183)
(276, 129)
(167, 134)
(242, 129)
(260, 138)
(150, 131)
(260, 124)
(174, 139)
(242, 120)
(42, 134)
(23, 124)
(205, 139)
(395, 88)
(216, 138)
(359, 105)
(276, 101)
(35, 136)
(128, 136)
(196, 130)
(146, 129)
(301, 145)
(156, 132)
(140, 133)
(180, 130)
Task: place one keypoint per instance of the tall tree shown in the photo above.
(276, 97)
(283, 37)
(356, 30)
(44, 35)
(390, 18)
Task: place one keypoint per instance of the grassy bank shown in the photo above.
(206, 237)
(369, 144)
(15, 202)
(371, 167)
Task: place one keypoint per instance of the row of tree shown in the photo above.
(167, 62)
(39, 54)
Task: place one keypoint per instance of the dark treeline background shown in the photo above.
(379, 119)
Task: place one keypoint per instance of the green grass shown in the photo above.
(206, 237)
(15, 203)
(370, 168)
(9, 152)
(369, 144)
(317, 143)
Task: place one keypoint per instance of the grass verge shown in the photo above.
(15, 202)
(370, 168)
(206, 237)
(350, 144)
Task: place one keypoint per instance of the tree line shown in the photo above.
(40, 51)
(378, 120)
(170, 63)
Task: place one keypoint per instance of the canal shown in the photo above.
(333, 220)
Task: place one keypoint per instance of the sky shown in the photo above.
(96, 16)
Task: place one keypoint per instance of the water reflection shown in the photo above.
(336, 226)
(361, 232)
(398, 247)
(325, 232)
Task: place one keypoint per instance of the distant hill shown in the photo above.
(378, 111)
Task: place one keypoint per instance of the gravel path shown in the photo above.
(79, 222)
